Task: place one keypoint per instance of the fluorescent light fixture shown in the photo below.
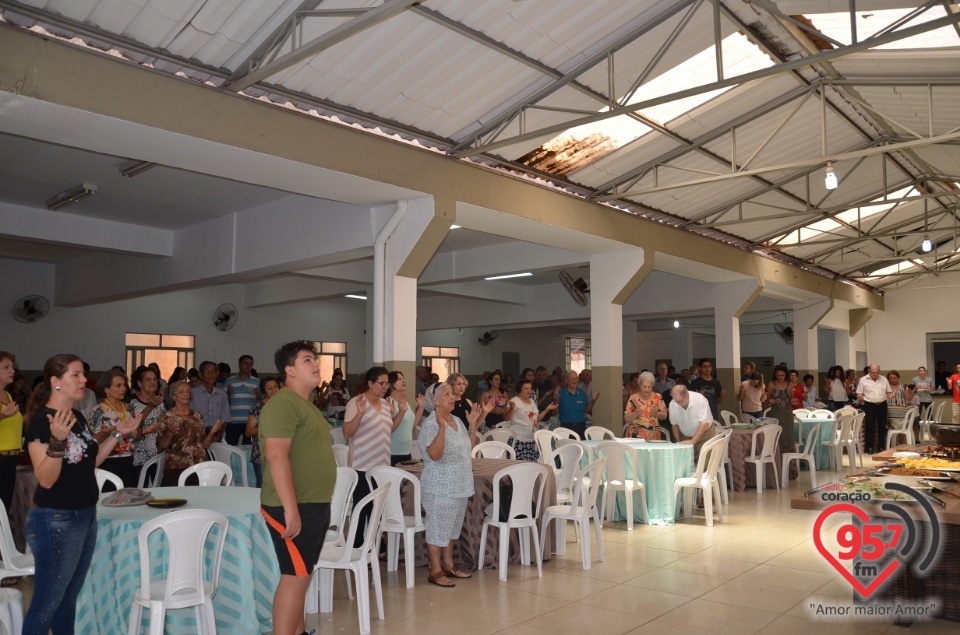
(131, 169)
(830, 177)
(454, 226)
(510, 275)
(927, 245)
(69, 197)
(355, 297)
(676, 324)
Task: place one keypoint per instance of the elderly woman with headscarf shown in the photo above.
(644, 411)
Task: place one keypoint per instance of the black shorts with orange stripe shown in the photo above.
(298, 556)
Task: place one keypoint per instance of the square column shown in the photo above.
(682, 349)
(731, 300)
(806, 355)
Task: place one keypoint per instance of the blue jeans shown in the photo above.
(62, 541)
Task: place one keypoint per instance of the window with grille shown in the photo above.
(168, 351)
(331, 355)
(442, 360)
(578, 353)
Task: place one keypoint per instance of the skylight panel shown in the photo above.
(837, 26)
(581, 145)
(850, 216)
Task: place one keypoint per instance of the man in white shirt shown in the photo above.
(691, 418)
(873, 390)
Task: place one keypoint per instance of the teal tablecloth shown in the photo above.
(237, 471)
(822, 452)
(660, 465)
(248, 573)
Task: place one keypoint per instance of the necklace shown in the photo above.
(120, 412)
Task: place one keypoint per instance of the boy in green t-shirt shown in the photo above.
(299, 473)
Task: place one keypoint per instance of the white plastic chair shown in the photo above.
(725, 464)
(807, 455)
(339, 510)
(492, 450)
(771, 437)
(904, 428)
(395, 523)
(361, 561)
(569, 456)
(12, 563)
(210, 474)
(728, 418)
(528, 480)
(926, 418)
(104, 477)
(545, 440)
(803, 413)
(857, 427)
(224, 452)
(820, 413)
(11, 611)
(341, 453)
(617, 480)
(599, 433)
(583, 507)
(831, 438)
(186, 584)
(567, 433)
(848, 436)
(705, 479)
(503, 435)
(587, 450)
(159, 461)
(846, 410)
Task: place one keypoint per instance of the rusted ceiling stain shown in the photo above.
(565, 154)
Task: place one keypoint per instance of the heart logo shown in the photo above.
(829, 557)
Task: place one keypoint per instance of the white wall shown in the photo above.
(897, 336)
(544, 346)
(96, 333)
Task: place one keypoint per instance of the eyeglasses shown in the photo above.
(383, 383)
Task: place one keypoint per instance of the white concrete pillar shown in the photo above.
(731, 300)
(631, 354)
(614, 276)
(843, 345)
(806, 356)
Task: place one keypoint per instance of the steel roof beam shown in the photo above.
(373, 17)
(777, 69)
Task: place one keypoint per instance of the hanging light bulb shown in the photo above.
(830, 179)
(676, 324)
(927, 245)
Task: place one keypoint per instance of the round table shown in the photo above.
(248, 573)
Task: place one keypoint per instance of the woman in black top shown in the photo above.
(62, 525)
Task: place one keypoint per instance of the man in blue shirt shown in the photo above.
(574, 404)
(207, 399)
(243, 391)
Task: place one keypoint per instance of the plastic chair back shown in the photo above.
(12, 562)
(599, 433)
(821, 413)
(502, 435)
(569, 456)
(587, 484)
(587, 450)
(771, 436)
(160, 461)
(803, 413)
(566, 433)
(393, 515)
(224, 452)
(210, 474)
(545, 440)
(846, 410)
(728, 418)
(845, 429)
(527, 480)
(809, 448)
(340, 503)
(104, 477)
(186, 532)
(342, 455)
(492, 450)
(376, 501)
(616, 454)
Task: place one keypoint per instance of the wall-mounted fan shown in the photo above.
(30, 309)
(488, 337)
(578, 288)
(784, 332)
(224, 317)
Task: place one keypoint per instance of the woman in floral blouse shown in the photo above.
(181, 435)
(645, 410)
(268, 387)
(110, 414)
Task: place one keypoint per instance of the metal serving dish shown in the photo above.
(946, 434)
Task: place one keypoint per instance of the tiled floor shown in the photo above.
(756, 573)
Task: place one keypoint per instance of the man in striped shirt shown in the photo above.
(243, 391)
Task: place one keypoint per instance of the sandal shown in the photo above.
(455, 572)
(440, 580)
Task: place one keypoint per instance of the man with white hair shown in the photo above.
(691, 418)
(873, 390)
(574, 404)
